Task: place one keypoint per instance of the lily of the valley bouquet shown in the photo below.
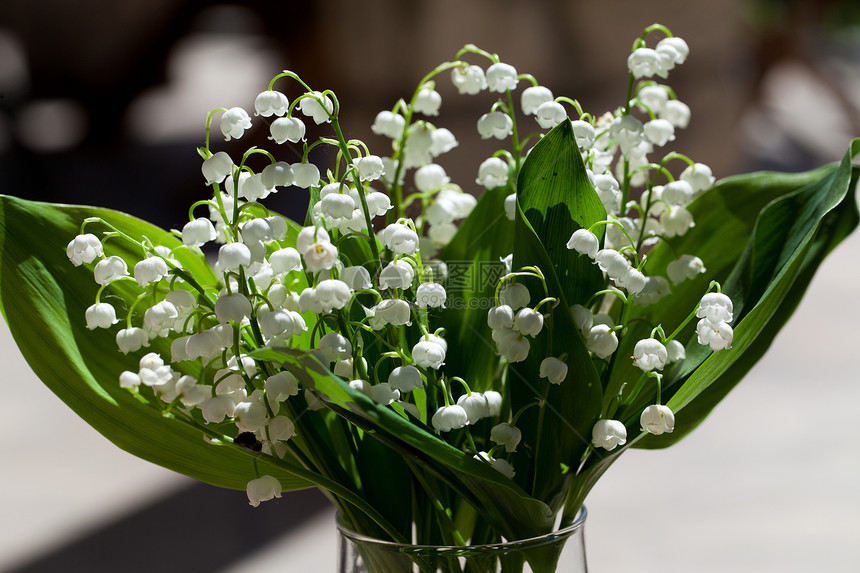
(461, 369)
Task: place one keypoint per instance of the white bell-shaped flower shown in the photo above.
(676, 192)
(110, 269)
(308, 236)
(675, 351)
(100, 315)
(650, 354)
(370, 167)
(659, 131)
(495, 124)
(235, 307)
(501, 77)
(320, 256)
(160, 317)
(679, 48)
(494, 402)
(150, 270)
(515, 295)
(449, 418)
(198, 232)
(686, 267)
(553, 370)
(332, 294)
(217, 167)
(234, 255)
(84, 249)
(405, 378)
(396, 275)
(441, 234)
(653, 96)
(285, 260)
(469, 79)
(657, 420)
(428, 354)
(655, 289)
(613, 263)
(309, 302)
(511, 344)
(532, 97)
(278, 174)
(253, 188)
(442, 141)
(389, 124)
(511, 207)
(582, 317)
(384, 394)
(305, 175)
(601, 341)
(335, 346)
(205, 344)
(528, 322)
(281, 386)
(430, 295)
(699, 177)
(717, 335)
(550, 114)
(502, 466)
(677, 113)
(129, 380)
(356, 277)
(317, 107)
(281, 323)
(280, 428)
(584, 133)
(492, 173)
(263, 489)
(131, 339)
(390, 311)
(428, 101)
(633, 280)
(608, 434)
(475, 405)
(716, 307)
(644, 63)
(234, 122)
(506, 435)
(285, 129)
(501, 316)
(676, 221)
(378, 203)
(430, 177)
(400, 239)
(337, 206)
(270, 102)
(584, 242)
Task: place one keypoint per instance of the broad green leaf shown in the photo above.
(564, 422)
(474, 268)
(725, 217)
(554, 192)
(791, 237)
(511, 511)
(554, 199)
(44, 299)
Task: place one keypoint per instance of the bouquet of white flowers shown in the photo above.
(466, 382)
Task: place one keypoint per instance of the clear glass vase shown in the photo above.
(562, 551)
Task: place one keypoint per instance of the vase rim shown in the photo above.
(577, 525)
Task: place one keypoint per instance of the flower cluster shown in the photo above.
(360, 275)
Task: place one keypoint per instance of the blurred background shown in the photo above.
(105, 102)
